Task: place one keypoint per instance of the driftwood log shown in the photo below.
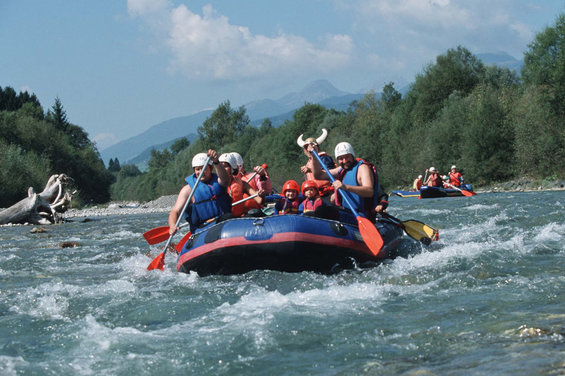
(42, 208)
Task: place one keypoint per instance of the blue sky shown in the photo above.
(120, 67)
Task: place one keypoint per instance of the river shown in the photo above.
(487, 299)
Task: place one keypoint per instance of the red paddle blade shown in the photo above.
(158, 262)
(468, 193)
(157, 235)
(182, 242)
(370, 235)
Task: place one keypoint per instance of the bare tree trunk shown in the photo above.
(43, 208)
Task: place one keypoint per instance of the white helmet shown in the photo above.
(229, 158)
(453, 167)
(432, 169)
(238, 159)
(343, 148)
(199, 160)
(420, 176)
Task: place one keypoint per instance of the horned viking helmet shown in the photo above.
(312, 140)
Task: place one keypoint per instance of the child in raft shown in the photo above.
(290, 203)
(312, 199)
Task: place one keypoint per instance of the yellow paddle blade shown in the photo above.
(420, 231)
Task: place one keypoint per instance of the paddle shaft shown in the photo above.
(332, 179)
(465, 193)
(264, 166)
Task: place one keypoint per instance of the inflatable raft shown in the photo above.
(434, 192)
(288, 243)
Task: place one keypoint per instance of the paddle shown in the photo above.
(264, 166)
(369, 232)
(181, 243)
(465, 193)
(159, 261)
(159, 234)
(416, 230)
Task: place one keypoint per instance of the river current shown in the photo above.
(487, 299)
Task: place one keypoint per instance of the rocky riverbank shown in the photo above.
(161, 205)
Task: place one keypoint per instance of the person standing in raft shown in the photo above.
(434, 180)
(325, 187)
(312, 199)
(237, 188)
(258, 178)
(455, 177)
(290, 203)
(357, 179)
(417, 183)
(210, 199)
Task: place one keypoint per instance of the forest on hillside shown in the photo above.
(492, 123)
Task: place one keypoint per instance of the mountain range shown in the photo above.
(137, 149)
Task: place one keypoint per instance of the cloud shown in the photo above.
(208, 46)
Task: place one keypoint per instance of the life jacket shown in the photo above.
(325, 187)
(210, 200)
(309, 205)
(455, 178)
(364, 206)
(435, 181)
(285, 206)
(417, 184)
(235, 190)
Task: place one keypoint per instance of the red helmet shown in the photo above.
(290, 185)
(309, 184)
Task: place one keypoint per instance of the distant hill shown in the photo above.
(137, 149)
(501, 59)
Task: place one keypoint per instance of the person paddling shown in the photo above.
(237, 188)
(455, 177)
(434, 180)
(258, 178)
(210, 199)
(417, 183)
(357, 179)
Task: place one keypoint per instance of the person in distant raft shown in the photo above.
(434, 180)
(210, 199)
(238, 188)
(325, 187)
(417, 183)
(357, 179)
(455, 177)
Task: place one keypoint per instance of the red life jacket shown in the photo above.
(235, 190)
(455, 178)
(435, 181)
(311, 205)
(325, 187)
(289, 207)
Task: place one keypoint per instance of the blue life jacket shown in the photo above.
(363, 206)
(210, 200)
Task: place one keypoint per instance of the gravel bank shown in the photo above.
(161, 205)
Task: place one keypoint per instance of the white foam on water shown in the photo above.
(48, 300)
(477, 207)
(9, 365)
(550, 232)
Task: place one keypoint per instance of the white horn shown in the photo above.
(300, 141)
(321, 139)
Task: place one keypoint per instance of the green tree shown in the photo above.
(544, 64)
(57, 115)
(179, 144)
(223, 126)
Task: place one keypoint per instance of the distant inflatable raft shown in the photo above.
(288, 243)
(434, 192)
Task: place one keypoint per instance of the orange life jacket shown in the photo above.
(235, 190)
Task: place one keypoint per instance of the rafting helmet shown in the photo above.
(343, 148)
(229, 159)
(309, 184)
(199, 159)
(432, 169)
(238, 159)
(453, 167)
(290, 185)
